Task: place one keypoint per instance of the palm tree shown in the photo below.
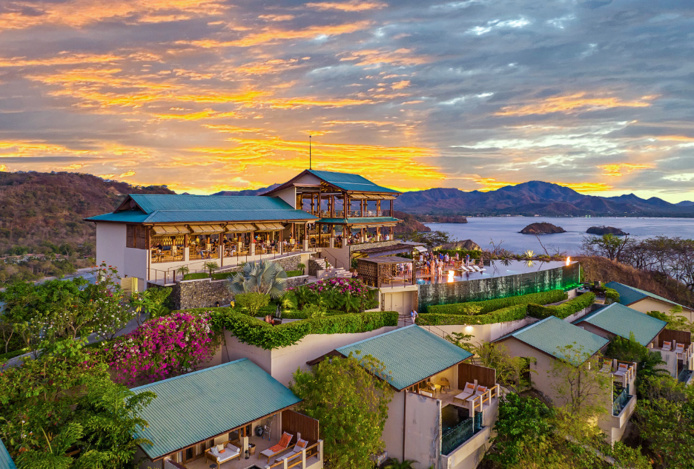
(183, 270)
(211, 266)
(264, 277)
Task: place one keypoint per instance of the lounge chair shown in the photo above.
(606, 366)
(478, 392)
(298, 448)
(219, 458)
(667, 346)
(679, 349)
(426, 393)
(622, 369)
(278, 448)
(468, 391)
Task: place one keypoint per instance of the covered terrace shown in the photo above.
(235, 406)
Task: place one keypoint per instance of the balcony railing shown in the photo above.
(620, 401)
(486, 398)
(459, 434)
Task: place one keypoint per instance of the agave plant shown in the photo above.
(264, 277)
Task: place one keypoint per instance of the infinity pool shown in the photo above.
(496, 269)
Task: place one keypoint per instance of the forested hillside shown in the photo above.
(43, 209)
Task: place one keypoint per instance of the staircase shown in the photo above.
(322, 271)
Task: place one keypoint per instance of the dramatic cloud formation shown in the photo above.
(205, 95)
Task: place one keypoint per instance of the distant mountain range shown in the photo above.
(529, 198)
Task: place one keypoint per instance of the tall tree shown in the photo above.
(351, 404)
(65, 402)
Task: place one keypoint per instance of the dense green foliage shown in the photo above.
(253, 331)
(351, 405)
(41, 314)
(612, 295)
(530, 435)
(482, 307)
(510, 313)
(338, 294)
(295, 273)
(252, 301)
(64, 402)
(563, 310)
(665, 419)
(648, 362)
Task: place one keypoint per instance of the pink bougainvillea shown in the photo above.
(162, 348)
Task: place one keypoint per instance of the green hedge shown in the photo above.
(295, 273)
(612, 294)
(563, 310)
(253, 331)
(196, 276)
(488, 306)
(223, 275)
(510, 313)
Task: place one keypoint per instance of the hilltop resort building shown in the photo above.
(236, 411)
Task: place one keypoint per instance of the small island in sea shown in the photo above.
(542, 228)
(603, 230)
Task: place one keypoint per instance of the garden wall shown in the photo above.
(206, 293)
(283, 362)
(498, 287)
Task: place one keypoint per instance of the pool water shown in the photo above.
(495, 269)
(451, 416)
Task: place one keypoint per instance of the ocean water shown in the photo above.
(506, 231)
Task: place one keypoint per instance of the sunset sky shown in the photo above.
(207, 95)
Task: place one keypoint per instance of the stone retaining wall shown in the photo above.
(205, 293)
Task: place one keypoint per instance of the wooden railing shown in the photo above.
(300, 459)
(629, 376)
(478, 402)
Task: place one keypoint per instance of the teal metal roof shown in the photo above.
(622, 321)
(6, 461)
(203, 404)
(182, 208)
(629, 294)
(126, 216)
(358, 221)
(552, 334)
(410, 354)
(350, 182)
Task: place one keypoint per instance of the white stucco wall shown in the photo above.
(288, 195)
(540, 375)
(282, 363)
(651, 304)
(286, 360)
(483, 332)
(135, 263)
(393, 430)
(110, 245)
(422, 430)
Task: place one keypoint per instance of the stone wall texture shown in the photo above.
(497, 287)
(205, 293)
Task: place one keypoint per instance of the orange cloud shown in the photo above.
(572, 104)
(276, 35)
(81, 13)
(370, 57)
(676, 138)
(353, 5)
(620, 169)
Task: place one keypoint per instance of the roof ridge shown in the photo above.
(168, 380)
(377, 336)
(530, 326)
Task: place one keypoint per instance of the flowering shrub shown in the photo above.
(162, 348)
(342, 294)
